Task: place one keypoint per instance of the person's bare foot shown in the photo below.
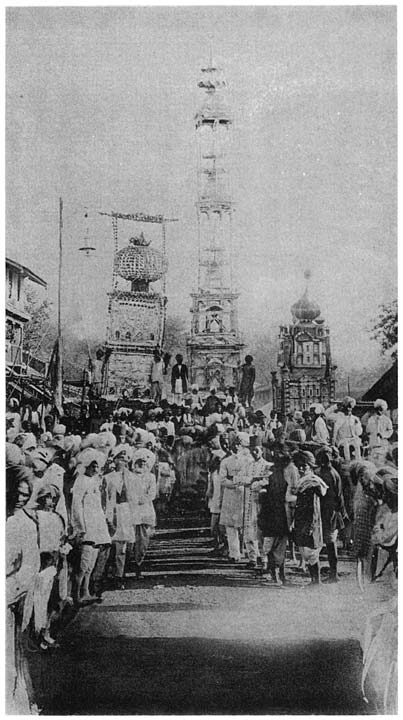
(87, 599)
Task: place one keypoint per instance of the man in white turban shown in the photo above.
(141, 494)
(379, 426)
(13, 455)
(27, 443)
(118, 512)
(88, 520)
(321, 431)
(234, 471)
(348, 431)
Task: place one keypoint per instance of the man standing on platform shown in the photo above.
(157, 378)
(179, 379)
(246, 391)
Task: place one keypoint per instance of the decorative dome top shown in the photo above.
(140, 240)
(139, 263)
(305, 309)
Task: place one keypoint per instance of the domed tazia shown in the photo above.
(139, 263)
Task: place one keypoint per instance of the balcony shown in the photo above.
(26, 363)
(13, 354)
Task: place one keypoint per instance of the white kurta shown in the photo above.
(321, 435)
(141, 493)
(214, 503)
(347, 427)
(234, 470)
(379, 429)
(22, 555)
(87, 515)
(118, 512)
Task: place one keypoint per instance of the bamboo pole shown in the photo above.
(59, 383)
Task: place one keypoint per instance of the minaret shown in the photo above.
(214, 345)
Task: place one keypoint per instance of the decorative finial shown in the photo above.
(139, 240)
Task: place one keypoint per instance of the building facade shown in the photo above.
(214, 344)
(18, 358)
(305, 374)
(136, 320)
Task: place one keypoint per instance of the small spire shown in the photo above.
(307, 276)
(211, 53)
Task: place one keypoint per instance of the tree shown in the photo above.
(40, 331)
(385, 329)
(40, 336)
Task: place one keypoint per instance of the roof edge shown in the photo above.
(26, 272)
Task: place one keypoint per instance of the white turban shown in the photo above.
(59, 430)
(90, 441)
(349, 402)
(13, 455)
(151, 439)
(41, 455)
(381, 404)
(72, 443)
(106, 439)
(244, 438)
(141, 437)
(144, 454)
(53, 476)
(88, 456)
(29, 441)
(122, 449)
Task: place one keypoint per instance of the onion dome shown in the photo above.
(305, 309)
(139, 263)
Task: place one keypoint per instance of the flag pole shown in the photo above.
(59, 324)
(59, 380)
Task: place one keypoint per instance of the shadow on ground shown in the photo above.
(121, 676)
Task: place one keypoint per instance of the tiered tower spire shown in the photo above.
(214, 344)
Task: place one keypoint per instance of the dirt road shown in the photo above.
(199, 636)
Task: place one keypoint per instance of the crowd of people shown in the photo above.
(81, 508)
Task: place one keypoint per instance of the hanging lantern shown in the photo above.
(87, 250)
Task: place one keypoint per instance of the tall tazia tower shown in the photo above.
(214, 345)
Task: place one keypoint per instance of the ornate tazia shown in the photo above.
(139, 263)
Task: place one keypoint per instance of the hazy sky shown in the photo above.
(100, 110)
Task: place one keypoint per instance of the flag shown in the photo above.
(55, 376)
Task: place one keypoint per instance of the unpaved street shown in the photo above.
(200, 636)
